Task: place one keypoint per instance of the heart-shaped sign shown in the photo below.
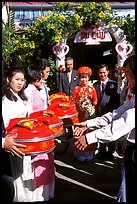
(123, 49)
(60, 50)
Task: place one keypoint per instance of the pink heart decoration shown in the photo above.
(123, 49)
(60, 50)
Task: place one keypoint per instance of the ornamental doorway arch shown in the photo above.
(105, 52)
(93, 55)
(111, 52)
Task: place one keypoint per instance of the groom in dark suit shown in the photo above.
(108, 100)
(67, 81)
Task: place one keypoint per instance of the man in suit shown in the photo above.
(67, 81)
(108, 100)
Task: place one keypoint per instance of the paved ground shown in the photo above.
(93, 181)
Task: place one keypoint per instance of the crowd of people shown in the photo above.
(102, 121)
(110, 127)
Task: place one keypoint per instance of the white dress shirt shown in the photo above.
(44, 92)
(69, 76)
(114, 125)
(14, 109)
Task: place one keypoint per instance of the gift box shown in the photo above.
(57, 97)
(36, 135)
(60, 97)
(64, 111)
(37, 132)
(50, 119)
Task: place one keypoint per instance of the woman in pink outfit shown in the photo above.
(43, 164)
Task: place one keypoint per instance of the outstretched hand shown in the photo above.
(81, 143)
(79, 129)
(11, 146)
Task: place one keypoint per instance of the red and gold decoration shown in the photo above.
(60, 97)
(37, 132)
(64, 108)
(49, 118)
(38, 139)
(85, 70)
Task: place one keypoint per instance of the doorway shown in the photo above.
(93, 55)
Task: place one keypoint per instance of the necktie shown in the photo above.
(103, 88)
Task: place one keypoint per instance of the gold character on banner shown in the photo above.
(98, 34)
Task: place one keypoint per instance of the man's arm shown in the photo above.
(116, 129)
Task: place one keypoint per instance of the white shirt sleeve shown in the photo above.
(100, 121)
(107, 118)
(116, 129)
(3, 140)
(44, 93)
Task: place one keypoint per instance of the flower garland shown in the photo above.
(122, 82)
(61, 68)
(120, 72)
(85, 104)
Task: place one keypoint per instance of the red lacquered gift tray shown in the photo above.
(64, 111)
(60, 97)
(57, 97)
(36, 135)
(49, 118)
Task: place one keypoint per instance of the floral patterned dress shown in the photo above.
(85, 98)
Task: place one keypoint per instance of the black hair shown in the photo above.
(102, 66)
(131, 61)
(6, 89)
(34, 73)
(16, 64)
(43, 63)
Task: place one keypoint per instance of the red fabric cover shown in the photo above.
(62, 109)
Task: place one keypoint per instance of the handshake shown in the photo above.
(80, 141)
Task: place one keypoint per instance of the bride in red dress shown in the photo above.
(85, 98)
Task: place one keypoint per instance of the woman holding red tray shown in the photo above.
(43, 164)
(28, 183)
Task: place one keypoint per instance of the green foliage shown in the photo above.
(51, 81)
(94, 11)
(129, 28)
(56, 26)
(7, 43)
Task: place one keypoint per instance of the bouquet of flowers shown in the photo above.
(85, 105)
